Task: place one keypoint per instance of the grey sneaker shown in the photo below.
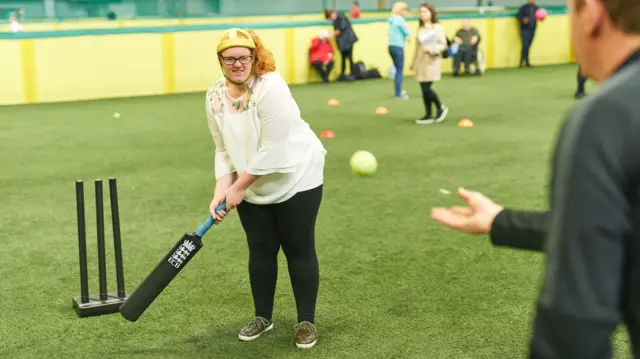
(255, 328)
(403, 95)
(306, 335)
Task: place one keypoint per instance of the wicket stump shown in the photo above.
(104, 302)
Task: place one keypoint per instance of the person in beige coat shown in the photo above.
(431, 41)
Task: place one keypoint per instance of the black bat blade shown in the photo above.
(161, 276)
(168, 268)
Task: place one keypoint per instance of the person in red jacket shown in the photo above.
(355, 10)
(321, 55)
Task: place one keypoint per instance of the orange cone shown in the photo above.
(381, 110)
(333, 102)
(327, 134)
(465, 123)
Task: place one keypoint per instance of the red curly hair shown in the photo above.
(263, 62)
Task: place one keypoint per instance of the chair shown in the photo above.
(480, 61)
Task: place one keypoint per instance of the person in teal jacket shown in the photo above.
(398, 33)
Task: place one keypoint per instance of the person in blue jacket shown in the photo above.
(398, 33)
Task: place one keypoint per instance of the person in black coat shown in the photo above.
(590, 232)
(345, 39)
(528, 22)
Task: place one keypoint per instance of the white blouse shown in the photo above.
(427, 38)
(268, 139)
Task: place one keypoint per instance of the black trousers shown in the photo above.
(429, 97)
(464, 55)
(581, 82)
(290, 225)
(323, 70)
(526, 35)
(347, 54)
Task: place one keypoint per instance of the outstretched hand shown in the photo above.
(477, 218)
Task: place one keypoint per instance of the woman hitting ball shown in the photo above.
(269, 165)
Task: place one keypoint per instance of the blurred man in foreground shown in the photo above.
(591, 234)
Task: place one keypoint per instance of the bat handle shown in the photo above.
(210, 221)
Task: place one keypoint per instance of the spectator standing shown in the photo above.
(345, 39)
(431, 41)
(527, 18)
(398, 33)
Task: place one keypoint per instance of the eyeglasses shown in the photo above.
(232, 60)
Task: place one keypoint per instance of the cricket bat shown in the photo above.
(177, 258)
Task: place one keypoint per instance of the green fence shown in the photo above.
(67, 9)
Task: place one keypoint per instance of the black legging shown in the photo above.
(290, 224)
(347, 54)
(429, 97)
(581, 82)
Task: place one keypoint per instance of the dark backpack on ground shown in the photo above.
(360, 72)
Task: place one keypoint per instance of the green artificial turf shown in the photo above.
(394, 284)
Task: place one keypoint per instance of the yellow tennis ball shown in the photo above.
(363, 163)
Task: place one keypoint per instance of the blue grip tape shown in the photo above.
(210, 221)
